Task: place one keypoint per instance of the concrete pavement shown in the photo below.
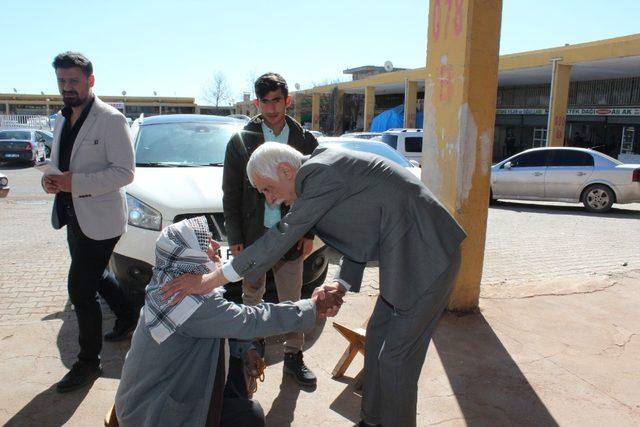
(555, 341)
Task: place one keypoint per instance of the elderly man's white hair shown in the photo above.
(265, 160)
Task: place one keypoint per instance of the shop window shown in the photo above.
(629, 144)
(539, 137)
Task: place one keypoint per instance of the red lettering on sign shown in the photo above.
(437, 17)
(446, 22)
(559, 120)
(445, 77)
(458, 17)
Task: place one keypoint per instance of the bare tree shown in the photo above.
(218, 91)
(327, 82)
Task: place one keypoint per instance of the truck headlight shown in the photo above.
(3, 181)
(142, 215)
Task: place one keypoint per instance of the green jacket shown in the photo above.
(243, 205)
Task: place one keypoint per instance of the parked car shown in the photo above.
(564, 174)
(4, 185)
(47, 138)
(22, 145)
(408, 142)
(179, 163)
(374, 147)
(316, 133)
(242, 117)
(362, 135)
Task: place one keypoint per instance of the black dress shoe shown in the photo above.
(294, 365)
(122, 330)
(80, 375)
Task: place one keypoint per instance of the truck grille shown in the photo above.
(215, 221)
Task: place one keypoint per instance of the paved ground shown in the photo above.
(555, 342)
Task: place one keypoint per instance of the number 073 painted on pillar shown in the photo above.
(442, 9)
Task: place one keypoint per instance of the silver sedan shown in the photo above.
(22, 145)
(563, 174)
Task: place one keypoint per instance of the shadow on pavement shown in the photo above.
(15, 166)
(519, 206)
(284, 405)
(348, 402)
(113, 353)
(489, 386)
(49, 408)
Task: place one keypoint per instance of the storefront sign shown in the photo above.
(117, 105)
(600, 111)
(521, 111)
(606, 111)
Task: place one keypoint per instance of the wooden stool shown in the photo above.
(356, 338)
(110, 419)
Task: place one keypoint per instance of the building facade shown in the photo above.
(592, 90)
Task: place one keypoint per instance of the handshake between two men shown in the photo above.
(328, 299)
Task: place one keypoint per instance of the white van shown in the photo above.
(407, 141)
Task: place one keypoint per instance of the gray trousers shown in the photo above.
(395, 351)
(288, 278)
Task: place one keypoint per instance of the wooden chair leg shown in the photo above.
(110, 420)
(356, 338)
(345, 361)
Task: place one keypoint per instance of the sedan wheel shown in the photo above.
(598, 198)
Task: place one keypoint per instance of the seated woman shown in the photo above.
(176, 369)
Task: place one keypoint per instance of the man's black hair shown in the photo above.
(71, 60)
(269, 82)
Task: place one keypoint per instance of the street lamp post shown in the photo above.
(124, 102)
(159, 103)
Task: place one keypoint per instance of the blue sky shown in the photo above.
(175, 47)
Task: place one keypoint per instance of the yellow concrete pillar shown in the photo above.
(459, 117)
(410, 103)
(338, 112)
(315, 111)
(560, 79)
(369, 106)
(297, 108)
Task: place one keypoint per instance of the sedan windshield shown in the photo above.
(15, 134)
(183, 144)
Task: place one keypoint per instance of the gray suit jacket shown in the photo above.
(102, 163)
(170, 384)
(369, 209)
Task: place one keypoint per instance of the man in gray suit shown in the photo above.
(92, 148)
(368, 209)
